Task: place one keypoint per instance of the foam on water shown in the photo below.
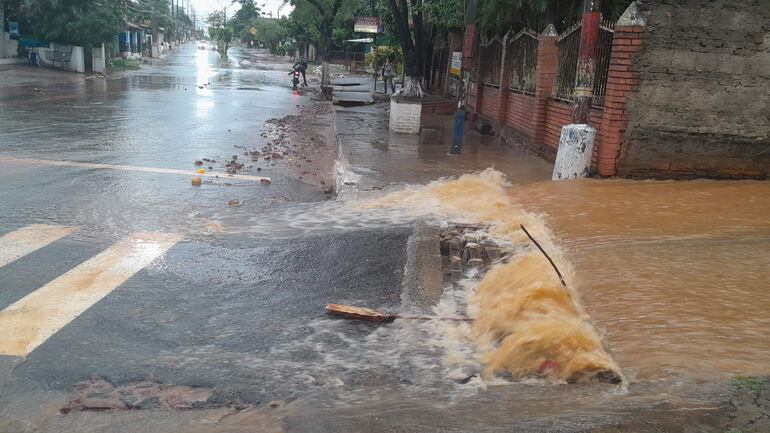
(526, 323)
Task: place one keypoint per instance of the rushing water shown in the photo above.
(676, 273)
(665, 280)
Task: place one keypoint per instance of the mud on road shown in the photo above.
(304, 143)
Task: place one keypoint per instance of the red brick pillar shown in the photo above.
(547, 56)
(622, 80)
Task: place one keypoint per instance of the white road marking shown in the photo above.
(30, 321)
(132, 168)
(25, 240)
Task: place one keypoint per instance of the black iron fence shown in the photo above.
(569, 46)
(491, 56)
(522, 58)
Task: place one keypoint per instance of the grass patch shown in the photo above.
(123, 64)
(747, 383)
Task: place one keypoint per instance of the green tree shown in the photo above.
(447, 14)
(413, 43)
(241, 20)
(270, 32)
(220, 31)
(76, 22)
(495, 17)
(319, 21)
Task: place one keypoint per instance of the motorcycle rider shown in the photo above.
(301, 66)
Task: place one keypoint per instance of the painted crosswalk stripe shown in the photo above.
(30, 321)
(92, 165)
(19, 243)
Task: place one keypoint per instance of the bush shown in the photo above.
(123, 64)
(376, 58)
(287, 49)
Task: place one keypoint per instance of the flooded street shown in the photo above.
(675, 273)
(167, 115)
(133, 301)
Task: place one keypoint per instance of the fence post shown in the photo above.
(505, 77)
(622, 79)
(547, 58)
(586, 65)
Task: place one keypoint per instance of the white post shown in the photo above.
(576, 145)
(98, 62)
(77, 60)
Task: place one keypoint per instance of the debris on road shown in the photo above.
(359, 313)
(379, 316)
(297, 139)
(99, 394)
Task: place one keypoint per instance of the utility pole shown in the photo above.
(173, 20)
(576, 143)
(463, 80)
(586, 64)
(154, 29)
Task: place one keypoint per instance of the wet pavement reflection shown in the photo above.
(170, 113)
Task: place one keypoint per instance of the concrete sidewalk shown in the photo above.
(28, 75)
(372, 157)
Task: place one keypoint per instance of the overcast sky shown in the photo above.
(204, 7)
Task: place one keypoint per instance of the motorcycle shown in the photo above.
(295, 78)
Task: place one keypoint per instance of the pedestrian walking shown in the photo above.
(387, 75)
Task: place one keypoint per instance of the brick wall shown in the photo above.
(518, 113)
(489, 102)
(558, 114)
(441, 106)
(702, 106)
(688, 94)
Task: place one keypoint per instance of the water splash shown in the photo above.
(527, 323)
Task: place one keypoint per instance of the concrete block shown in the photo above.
(573, 159)
(98, 60)
(405, 115)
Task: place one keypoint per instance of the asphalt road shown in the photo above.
(128, 273)
(238, 312)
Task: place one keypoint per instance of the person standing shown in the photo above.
(387, 76)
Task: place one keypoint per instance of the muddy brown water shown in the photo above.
(674, 273)
(671, 276)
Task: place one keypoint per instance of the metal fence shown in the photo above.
(522, 58)
(491, 56)
(352, 60)
(569, 46)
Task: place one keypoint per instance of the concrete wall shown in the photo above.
(8, 46)
(77, 59)
(702, 105)
(98, 60)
